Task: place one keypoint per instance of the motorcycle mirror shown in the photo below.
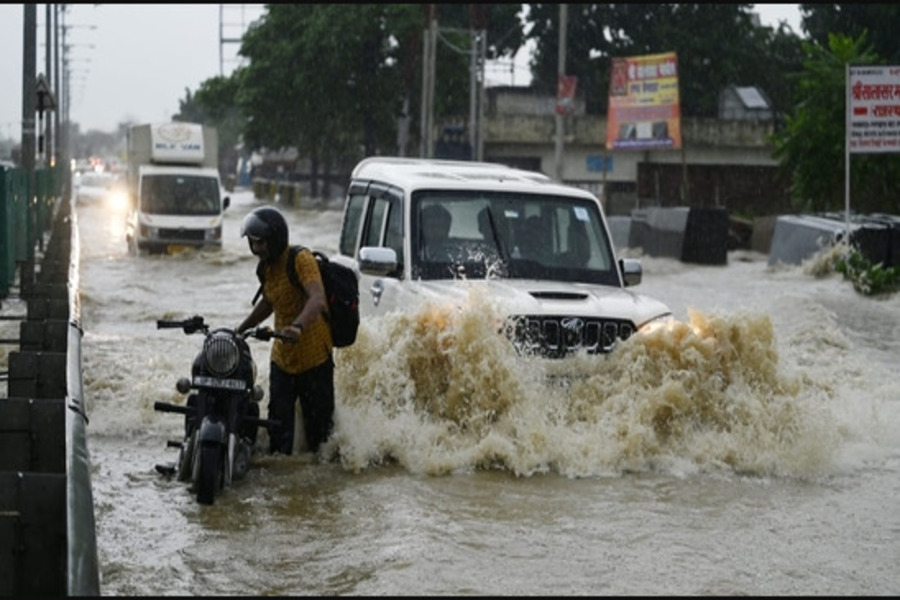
(183, 385)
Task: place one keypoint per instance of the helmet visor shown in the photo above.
(254, 228)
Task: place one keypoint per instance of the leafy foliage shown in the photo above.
(811, 147)
(717, 45)
(868, 279)
(331, 79)
(853, 20)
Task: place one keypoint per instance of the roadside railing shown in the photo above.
(47, 529)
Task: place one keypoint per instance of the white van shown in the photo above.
(174, 186)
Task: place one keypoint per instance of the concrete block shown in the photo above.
(33, 539)
(799, 237)
(32, 435)
(37, 375)
(51, 335)
(706, 237)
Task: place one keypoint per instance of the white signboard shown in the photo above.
(874, 109)
(177, 143)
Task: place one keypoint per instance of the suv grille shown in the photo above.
(558, 336)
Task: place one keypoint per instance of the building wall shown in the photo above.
(725, 162)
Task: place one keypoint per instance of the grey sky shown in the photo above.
(138, 60)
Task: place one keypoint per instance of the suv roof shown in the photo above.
(417, 173)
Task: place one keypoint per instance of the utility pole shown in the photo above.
(482, 56)
(29, 100)
(57, 87)
(429, 50)
(561, 71)
(223, 39)
(473, 95)
(46, 146)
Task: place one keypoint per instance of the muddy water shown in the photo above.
(750, 448)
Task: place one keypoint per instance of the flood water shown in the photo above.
(752, 448)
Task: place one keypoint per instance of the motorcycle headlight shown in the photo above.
(221, 354)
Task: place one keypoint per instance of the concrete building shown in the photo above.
(723, 162)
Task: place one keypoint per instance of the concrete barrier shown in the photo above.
(799, 237)
(689, 234)
(47, 528)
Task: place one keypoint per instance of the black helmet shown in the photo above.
(267, 223)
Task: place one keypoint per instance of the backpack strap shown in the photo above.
(260, 271)
(290, 266)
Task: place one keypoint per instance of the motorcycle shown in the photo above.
(221, 415)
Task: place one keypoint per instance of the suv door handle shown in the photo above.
(376, 290)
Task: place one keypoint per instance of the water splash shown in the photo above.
(439, 391)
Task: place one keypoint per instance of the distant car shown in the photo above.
(415, 229)
(94, 188)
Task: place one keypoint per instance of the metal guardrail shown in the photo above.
(83, 572)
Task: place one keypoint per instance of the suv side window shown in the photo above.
(353, 212)
(373, 217)
(385, 227)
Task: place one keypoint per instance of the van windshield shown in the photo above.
(180, 195)
(477, 234)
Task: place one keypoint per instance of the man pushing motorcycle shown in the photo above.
(302, 366)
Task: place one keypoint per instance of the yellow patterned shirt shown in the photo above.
(314, 346)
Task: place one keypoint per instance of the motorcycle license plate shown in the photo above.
(226, 384)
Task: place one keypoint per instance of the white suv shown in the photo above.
(414, 229)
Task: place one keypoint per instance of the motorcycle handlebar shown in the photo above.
(196, 323)
(265, 334)
(191, 325)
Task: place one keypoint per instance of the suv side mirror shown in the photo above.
(631, 271)
(377, 260)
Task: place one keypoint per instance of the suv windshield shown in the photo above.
(481, 234)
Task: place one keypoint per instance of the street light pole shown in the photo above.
(59, 99)
(29, 100)
(561, 70)
(46, 146)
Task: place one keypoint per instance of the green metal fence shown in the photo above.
(23, 222)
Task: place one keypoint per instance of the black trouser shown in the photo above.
(315, 388)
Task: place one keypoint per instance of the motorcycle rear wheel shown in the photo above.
(209, 479)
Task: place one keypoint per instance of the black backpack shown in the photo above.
(341, 295)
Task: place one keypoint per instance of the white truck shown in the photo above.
(174, 187)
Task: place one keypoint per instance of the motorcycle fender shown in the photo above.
(212, 431)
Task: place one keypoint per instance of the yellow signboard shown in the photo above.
(644, 110)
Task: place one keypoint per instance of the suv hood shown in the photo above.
(537, 297)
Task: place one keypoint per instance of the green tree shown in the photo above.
(877, 21)
(331, 80)
(717, 45)
(214, 104)
(811, 147)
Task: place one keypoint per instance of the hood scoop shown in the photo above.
(559, 295)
